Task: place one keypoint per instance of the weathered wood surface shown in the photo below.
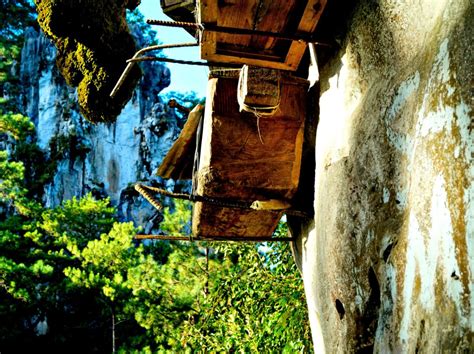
(178, 162)
(235, 164)
(292, 16)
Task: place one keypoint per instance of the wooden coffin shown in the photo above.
(247, 158)
(282, 16)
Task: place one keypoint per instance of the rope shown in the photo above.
(146, 194)
(197, 151)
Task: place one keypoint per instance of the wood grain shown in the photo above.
(178, 162)
(235, 164)
(292, 16)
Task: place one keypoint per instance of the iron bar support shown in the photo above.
(130, 64)
(186, 62)
(214, 238)
(221, 202)
(238, 31)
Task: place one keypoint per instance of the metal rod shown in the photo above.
(168, 60)
(221, 202)
(130, 64)
(215, 238)
(234, 30)
(187, 62)
(179, 24)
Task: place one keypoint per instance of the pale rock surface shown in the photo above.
(103, 159)
(388, 260)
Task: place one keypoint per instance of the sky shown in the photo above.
(183, 77)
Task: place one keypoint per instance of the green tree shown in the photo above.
(242, 297)
(35, 294)
(136, 22)
(72, 279)
(255, 302)
(15, 16)
(84, 275)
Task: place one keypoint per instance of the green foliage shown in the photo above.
(247, 297)
(11, 178)
(15, 16)
(37, 168)
(16, 125)
(177, 221)
(234, 297)
(77, 221)
(255, 302)
(36, 250)
(135, 19)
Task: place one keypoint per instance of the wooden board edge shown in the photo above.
(213, 57)
(207, 11)
(311, 16)
(166, 168)
(295, 54)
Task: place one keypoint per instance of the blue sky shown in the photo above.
(183, 77)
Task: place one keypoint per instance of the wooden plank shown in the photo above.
(212, 221)
(267, 15)
(235, 164)
(308, 24)
(238, 14)
(270, 10)
(178, 162)
(311, 15)
(207, 13)
(244, 60)
(179, 10)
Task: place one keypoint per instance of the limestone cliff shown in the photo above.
(103, 158)
(388, 261)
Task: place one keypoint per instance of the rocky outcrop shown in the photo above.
(104, 159)
(93, 40)
(388, 260)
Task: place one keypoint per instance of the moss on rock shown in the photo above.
(93, 42)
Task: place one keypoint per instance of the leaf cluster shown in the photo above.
(15, 16)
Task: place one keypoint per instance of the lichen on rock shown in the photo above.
(93, 42)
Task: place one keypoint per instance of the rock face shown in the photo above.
(104, 158)
(388, 261)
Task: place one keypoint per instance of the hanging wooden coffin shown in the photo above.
(286, 17)
(247, 157)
